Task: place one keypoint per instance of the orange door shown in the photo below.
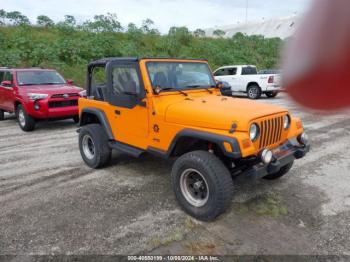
(127, 96)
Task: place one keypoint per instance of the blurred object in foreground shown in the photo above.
(317, 60)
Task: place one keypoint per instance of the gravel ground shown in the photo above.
(52, 203)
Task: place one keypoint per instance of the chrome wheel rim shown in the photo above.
(253, 92)
(88, 147)
(21, 118)
(194, 187)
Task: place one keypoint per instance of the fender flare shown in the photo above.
(101, 116)
(214, 138)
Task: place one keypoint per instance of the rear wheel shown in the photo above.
(253, 92)
(93, 145)
(2, 115)
(25, 121)
(202, 185)
(284, 170)
(271, 94)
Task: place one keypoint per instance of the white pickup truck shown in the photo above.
(245, 78)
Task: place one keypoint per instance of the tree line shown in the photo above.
(68, 46)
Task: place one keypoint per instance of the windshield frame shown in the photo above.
(210, 73)
(40, 84)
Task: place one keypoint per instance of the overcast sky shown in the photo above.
(165, 13)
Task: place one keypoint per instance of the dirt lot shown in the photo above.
(52, 203)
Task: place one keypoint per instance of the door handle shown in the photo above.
(117, 112)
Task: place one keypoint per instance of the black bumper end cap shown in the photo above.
(301, 152)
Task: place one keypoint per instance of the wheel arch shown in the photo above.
(17, 103)
(95, 116)
(190, 140)
(251, 84)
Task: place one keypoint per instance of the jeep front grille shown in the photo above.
(270, 131)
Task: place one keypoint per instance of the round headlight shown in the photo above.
(254, 132)
(286, 121)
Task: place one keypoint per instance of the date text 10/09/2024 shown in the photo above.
(173, 258)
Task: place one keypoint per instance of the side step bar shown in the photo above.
(129, 150)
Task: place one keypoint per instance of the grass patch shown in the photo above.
(269, 204)
(172, 237)
(176, 235)
(189, 223)
(199, 247)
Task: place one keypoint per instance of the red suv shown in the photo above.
(37, 94)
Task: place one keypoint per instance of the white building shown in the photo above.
(277, 27)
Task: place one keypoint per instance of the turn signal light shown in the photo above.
(246, 143)
(227, 147)
(299, 124)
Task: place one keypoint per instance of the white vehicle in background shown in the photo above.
(245, 78)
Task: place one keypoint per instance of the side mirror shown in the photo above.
(157, 90)
(6, 83)
(70, 82)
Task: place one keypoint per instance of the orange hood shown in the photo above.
(218, 112)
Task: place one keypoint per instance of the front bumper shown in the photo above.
(47, 112)
(283, 155)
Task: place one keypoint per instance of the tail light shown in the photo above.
(270, 81)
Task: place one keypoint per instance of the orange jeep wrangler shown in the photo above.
(172, 108)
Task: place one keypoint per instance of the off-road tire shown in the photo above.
(2, 115)
(271, 94)
(253, 92)
(75, 119)
(217, 178)
(284, 170)
(101, 150)
(25, 121)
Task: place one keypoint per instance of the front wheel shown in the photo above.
(254, 92)
(93, 145)
(25, 121)
(271, 94)
(284, 170)
(202, 185)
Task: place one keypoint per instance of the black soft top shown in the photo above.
(104, 61)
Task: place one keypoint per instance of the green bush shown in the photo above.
(69, 47)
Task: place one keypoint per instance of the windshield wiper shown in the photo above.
(175, 89)
(202, 87)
